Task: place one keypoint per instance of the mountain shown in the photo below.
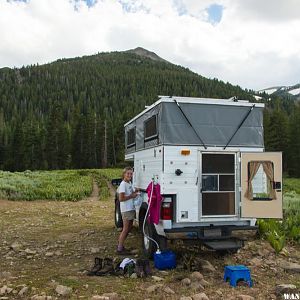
(70, 113)
(144, 53)
(283, 91)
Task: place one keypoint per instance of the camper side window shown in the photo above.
(150, 128)
(260, 180)
(131, 137)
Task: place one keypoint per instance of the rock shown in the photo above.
(23, 291)
(28, 251)
(169, 290)
(16, 246)
(111, 296)
(164, 273)
(157, 278)
(5, 290)
(134, 276)
(196, 276)
(205, 265)
(185, 298)
(186, 281)
(201, 296)
(291, 267)
(204, 282)
(263, 252)
(5, 275)
(153, 288)
(58, 253)
(42, 297)
(95, 250)
(63, 290)
(245, 297)
(256, 262)
(49, 254)
(98, 297)
(197, 286)
(285, 288)
(134, 251)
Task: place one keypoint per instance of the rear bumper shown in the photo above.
(205, 233)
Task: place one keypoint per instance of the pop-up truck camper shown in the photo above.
(208, 157)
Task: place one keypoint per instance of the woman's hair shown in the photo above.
(125, 170)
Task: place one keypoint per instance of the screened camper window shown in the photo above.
(131, 137)
(150, 128)
(218, 184)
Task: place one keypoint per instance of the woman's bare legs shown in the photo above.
(127, 225)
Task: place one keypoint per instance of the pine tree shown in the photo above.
(294, 144)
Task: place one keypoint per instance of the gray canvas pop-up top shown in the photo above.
(196, 121)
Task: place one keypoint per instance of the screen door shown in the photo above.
(218, 184)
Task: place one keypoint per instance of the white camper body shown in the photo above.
(204, 153)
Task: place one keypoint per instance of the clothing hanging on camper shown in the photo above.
(154, 210)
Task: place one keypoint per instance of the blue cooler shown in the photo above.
(165, 260)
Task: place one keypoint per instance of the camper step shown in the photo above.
(228, 244)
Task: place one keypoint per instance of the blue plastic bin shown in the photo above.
(165, 260)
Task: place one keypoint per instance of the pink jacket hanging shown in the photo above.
(154, 210)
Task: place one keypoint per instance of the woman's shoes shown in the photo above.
(123, 251)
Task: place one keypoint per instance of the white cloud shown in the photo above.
(256, 44)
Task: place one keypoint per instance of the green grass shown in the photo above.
(291, 185)
(71, 185)
(291, 202)
(50, 185)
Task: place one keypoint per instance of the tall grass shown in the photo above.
(291, 202)
(50, 185)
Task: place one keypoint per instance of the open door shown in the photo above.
(261, 185)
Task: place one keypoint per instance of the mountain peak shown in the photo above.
(145, 53)
(291, 91)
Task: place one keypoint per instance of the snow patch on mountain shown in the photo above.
(294, 91)
(269, 91)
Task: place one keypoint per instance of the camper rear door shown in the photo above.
(261, 185)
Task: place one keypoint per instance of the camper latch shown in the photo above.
(178, 172)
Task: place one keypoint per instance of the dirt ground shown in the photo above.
(44, 244)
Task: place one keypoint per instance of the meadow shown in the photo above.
(74, 185)
(71, 185)
(48, 243)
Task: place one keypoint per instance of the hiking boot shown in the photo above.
(142, 267)
(107, 267)
(97, 267)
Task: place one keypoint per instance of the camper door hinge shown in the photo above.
(240, 188)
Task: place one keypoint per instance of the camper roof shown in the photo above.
(230, 101)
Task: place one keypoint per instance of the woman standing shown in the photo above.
(126, 195)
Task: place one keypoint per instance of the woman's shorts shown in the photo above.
(128, 215)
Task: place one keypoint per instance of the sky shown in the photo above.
(252, 43)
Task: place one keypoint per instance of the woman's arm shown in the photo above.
(122, 196)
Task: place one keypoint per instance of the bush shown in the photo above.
(279, 232)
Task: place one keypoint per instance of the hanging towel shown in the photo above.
(154, 210)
